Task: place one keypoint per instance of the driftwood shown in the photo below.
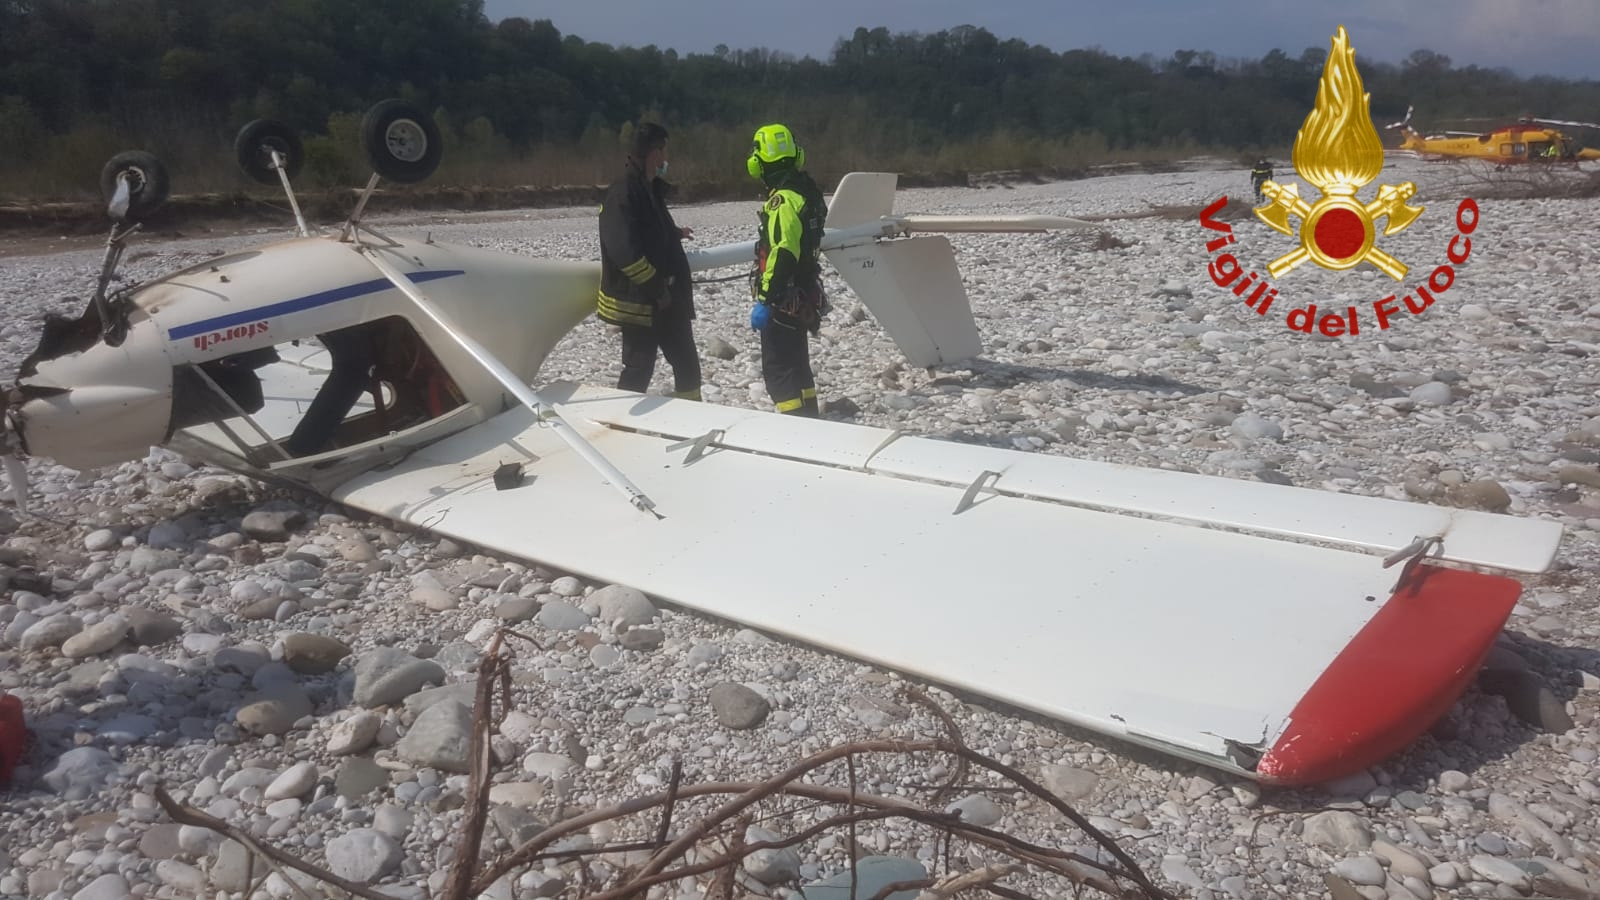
(690, 852)
(188, 815)
(1527, 181)
(1091, 241)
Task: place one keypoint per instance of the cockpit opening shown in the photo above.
(349, 387)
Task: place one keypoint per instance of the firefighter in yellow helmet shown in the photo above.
(789, 302)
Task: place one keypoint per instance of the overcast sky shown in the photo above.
(1554, 37)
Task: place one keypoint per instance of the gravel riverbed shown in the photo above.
(306, 674)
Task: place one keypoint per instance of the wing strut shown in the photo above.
(547, 414)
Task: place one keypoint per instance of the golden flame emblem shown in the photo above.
(1338, 150)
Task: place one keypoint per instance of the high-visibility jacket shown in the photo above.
(788, 249)
(641, 254)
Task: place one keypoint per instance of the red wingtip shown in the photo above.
(1397, 677)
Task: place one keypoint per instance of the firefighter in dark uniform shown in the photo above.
(1259, 176)
(788, 285)
(644, 274)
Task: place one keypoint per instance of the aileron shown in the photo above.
(1373, 524)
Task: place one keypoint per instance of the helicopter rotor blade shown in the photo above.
(1403, 122)
(1567, 123)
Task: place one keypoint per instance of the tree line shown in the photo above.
(80, 79)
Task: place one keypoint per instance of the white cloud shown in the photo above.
(1526, 22)
(1522, 34)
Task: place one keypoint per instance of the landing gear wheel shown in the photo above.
(402, 143)
(147, 183)
(252, 149)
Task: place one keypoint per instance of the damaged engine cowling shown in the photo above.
(85, 404)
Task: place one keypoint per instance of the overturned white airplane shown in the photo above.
(1260, 629)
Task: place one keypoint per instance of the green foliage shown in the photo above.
(326, 165)
(517, 100)
(24, 133)
(334, 159)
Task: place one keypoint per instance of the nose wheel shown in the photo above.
(135, 184)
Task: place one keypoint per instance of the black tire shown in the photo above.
(148, 184)
(402, 143)
(252, 149)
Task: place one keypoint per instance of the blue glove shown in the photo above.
(760, 315)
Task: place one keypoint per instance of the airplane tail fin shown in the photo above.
(862, 197)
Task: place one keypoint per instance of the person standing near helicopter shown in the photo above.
(1260, 175)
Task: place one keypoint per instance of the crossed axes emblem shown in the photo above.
(1328, 228)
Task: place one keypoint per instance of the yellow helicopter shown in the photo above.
(1527, 140)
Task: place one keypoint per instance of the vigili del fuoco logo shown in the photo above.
(1337, 150)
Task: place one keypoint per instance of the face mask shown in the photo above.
(661, 170)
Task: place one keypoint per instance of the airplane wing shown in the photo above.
(1106, 596)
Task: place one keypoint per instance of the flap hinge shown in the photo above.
(697, 445)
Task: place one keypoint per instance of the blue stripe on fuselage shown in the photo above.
(310, 301)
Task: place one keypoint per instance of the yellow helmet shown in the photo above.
(773, 143)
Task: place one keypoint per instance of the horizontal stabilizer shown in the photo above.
(914, 290)
(738, 253)
(992, 224)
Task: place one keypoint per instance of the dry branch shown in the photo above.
(1522, 182)
(854, 880)
(1006, 892)
(729, 863)
(749, 792)
(1092, 241)
(951, 730)
(188, 815)
(727, 824)
(955, 884)
(666, 811)
(895, 887)
(491, 669)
